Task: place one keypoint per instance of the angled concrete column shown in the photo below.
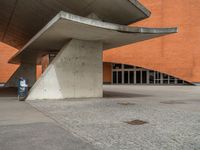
(76, 72)
(28, 71)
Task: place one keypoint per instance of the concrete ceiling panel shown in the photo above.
(22, 19)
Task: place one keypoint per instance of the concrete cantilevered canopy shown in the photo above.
(22, 19)
(66, 26)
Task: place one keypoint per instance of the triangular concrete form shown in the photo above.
(76, 72)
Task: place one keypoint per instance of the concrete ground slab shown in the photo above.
(172, 114)
(39, 136)
(22, 127)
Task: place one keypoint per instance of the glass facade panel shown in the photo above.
(117, 66)
(151, 77)
(157, 81)
(131, 74)
(119, 77)
(172, 80)
(128, 67)
(165, 81)
(138, 77)
(126, 74)
(126, 79)
(158, 75)
(115, 77)
(144, 77)
(180, 81)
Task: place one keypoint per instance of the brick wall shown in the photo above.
(6, 70)
(176, 54)
(107, 71)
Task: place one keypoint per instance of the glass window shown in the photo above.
(172, 80)
(128, 67)
(157, 81)
(117, 66)
(165, 82)
(158, 75)
(119, 77)
(165, 77)
(144, 77)
(137, 67)
(114, 77)
(131, 75)
(126, 77)
(180, 81)
(151, 77)
(138, 77)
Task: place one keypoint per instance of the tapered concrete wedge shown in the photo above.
(76, 72)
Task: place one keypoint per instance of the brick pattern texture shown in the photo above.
(177, 54)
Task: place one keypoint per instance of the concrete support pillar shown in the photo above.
(44, 62)
(76, 72)
(28, 71)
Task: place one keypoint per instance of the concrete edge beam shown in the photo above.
(117, 33)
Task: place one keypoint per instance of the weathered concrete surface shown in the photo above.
(16, 17)
(65, 26)
(22, 127)
(39, 136)
(172, 113)
(27, 71)
(13, 112)
(76, 72)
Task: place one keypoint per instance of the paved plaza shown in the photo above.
(171, 113)
(128, 117)
(22, 127)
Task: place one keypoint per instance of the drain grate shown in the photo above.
(173, 102)
(126, 103)
(136, 122)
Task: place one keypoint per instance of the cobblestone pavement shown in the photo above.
(172, 113)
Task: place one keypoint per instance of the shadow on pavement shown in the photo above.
(12, 92)
(8, 92)
(111, 94)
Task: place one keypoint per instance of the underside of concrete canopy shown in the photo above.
(65, 27)
(22, 19)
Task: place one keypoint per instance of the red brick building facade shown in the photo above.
(178, 54)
